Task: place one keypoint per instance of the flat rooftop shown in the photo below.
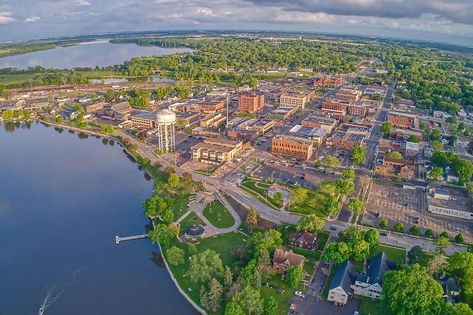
(459, 200)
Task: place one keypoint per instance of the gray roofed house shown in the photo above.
(340, 287)
(369, 283)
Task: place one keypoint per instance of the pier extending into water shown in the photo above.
(119, 239)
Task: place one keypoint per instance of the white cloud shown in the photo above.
(5, 18)
(32, 19)
(80, 2)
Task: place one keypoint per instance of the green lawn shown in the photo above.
(190, 220)
(218, 215)
(306, 208)
(281, 291)
(180, 204)
(322, 238)
(395, 254)
(259, 189)
(373, 307)
(328, 281)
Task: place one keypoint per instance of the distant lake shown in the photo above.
(90, 54)
(63, 198)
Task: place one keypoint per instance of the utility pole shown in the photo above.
(228, 107)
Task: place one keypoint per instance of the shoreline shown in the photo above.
(176, 283)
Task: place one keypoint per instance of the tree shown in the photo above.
(460, 264)
(7, 114)
(344, 187)
(227, 278)
(417, 256)
(444, 234)
(310, 223)
(299, 196)
(251, 218)
(174, 180)
(331, 161)
(415, 230)
(204, 266)
(337, 252)
(294, 276)
(359, 250)
(386, 129)
(270, 306)
(414, 138)
(459, 238)
(250, 300)
(167, 215)
(436, 265)
(469, 189)
(394, 155)
(429, 233)
(268, 240)
(348, 173)
(435, 135)
(356, 206)
(359, 155)
(435, 174)
(383, 223)
(437, 145)
(411, 290)
(277, 197)
(372, 237)
(351, 234)
(399, 227)
(175, 256)
(442, 242)
(456, 309)
(233, 308)
(163, 234)
(264, 266)
(214, 295)
(26, 114)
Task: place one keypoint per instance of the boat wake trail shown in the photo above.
(56, 291)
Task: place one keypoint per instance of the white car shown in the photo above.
(299, 293)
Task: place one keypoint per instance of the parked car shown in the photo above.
(299, 293)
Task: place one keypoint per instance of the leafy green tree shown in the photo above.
(386, 129)
(344, 187)
(264, 266)
(26, 114)
(415, 230)
(7, 115)
(417, 256)
(411, 290)
(110, 96)
(356, 206)
(310, 223)
(442, 242)
(460, 264)
(437, 265)
(58, 120)
(435, 135)
(399, 227)
(294, 276)
(175, 256)
(349, 173)
(351, 234)
(394, 155)
(437, 145)
(167, 215)
(214, 295)
(337, 252)
(459, 238)
(372, 237)
(204, 266)
(383, 223)
(270, 306)
(469, 189)
(456, 309)
(429, 233)
(174, 180)
(250, 300)
(359, 155)
(299, 196)
(444, 234)
(359, 250)
(414, 139)
(277, 197)
(435, 174)
(268, 240)
(227, 278)
(163, 234)
(233, 308)
(331, 161)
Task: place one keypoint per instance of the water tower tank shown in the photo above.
(166, 117)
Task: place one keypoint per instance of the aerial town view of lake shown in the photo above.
(63, 199)
(100, 53)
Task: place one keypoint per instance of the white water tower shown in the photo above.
(166, 120)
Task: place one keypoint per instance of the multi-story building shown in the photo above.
(316, 135)
(347, 136)
(388, 166)
(283, 260)
(292, 147)
(95, 107)
(320, 121)
(145, 120)
(294, 99)
(403, 120)
(213, 120)
(340, 287)
(216, 150)
(329, 81)
(335, 107)
(210, 106)
(188, 118)
(260, 126)
(450, 202)
(251, 103)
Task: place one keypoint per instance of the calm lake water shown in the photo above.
(92, 54)
(63, 198)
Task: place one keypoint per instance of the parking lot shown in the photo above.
(344, 156)
(409, 206)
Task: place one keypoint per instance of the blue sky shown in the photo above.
(438, 20)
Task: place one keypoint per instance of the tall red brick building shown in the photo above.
(251, 103)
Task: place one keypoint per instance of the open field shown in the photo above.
(218, 215)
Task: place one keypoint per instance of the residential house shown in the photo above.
(283, 260)
(340, 287)
(304, 240)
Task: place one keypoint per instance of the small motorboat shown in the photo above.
(41, 310)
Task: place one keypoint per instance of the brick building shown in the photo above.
(216, 150)
(143, 120)
(387, 166)
(329, 81)
(251, 103)
(210, 106)
(292, 147)
(320, 121)
(403, 120)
